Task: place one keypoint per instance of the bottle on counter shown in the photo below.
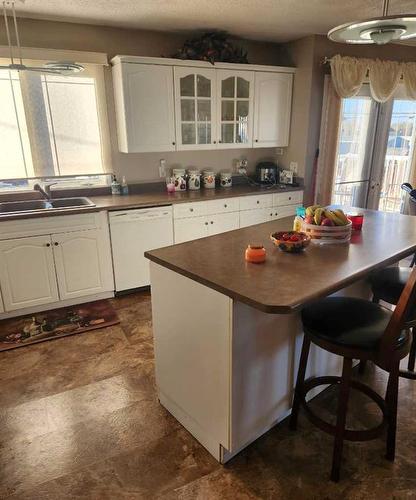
(115, 186)
(124, 186)
(299, 219)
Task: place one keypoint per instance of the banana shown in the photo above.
(340, 214)
(335, 219)
(311, 210)
(318, 215)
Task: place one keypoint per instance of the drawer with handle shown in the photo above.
(223, 206)
(290, 198)
(183, 210)
(256, 201)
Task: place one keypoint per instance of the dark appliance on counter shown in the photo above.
(266, 173)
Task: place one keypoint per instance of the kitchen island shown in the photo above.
(228, 333)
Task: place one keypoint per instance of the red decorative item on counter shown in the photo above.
(255, 254)
(357, 221)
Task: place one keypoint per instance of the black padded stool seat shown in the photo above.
(348, 322)
(388, 283)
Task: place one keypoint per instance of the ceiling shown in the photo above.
(269, 20)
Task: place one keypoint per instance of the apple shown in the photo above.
(326, 222)
(309, 219)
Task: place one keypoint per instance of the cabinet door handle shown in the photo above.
(271, 215)
(220, 142)
(257, 202)
(56, 243)
(48, 244)
(225, 205)
(191, 209)
(173, 143)
(256, 140)
(206, 223)
(290, 197)
(212, 222)
(215, 142)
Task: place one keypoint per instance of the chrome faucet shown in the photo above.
(45, 190)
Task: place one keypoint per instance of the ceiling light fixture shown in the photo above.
(64, 68)
(377, 30)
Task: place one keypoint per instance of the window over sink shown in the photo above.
(52, 125)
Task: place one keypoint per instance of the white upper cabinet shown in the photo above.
(235, 108)
(195, 108)
(272, 109)
(144, 107)
(174, 105)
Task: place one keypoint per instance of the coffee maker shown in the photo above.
(266, 173)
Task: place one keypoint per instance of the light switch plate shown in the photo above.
(294, 167)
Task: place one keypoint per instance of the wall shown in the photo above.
(113, 41)
(307, 55)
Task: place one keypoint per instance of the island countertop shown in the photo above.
(285, 282)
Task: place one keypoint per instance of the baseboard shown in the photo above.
(56, 305)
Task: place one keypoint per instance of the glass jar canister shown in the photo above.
(179, 176)
(226, 179)
(208, 177)
(194, 180)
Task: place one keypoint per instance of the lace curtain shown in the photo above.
(349, 73)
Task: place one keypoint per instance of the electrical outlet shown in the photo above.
(279, 151)
(294, 167)
(162, 168)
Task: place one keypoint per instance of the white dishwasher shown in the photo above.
(133, 232)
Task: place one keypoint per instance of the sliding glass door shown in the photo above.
(375, 150)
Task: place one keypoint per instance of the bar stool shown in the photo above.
(355, 329)
(387, 285)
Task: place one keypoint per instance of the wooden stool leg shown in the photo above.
(412, 355)
(391, 406)
(344, 392)
(361, 366)
(299, 382)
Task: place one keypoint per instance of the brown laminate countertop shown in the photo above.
(152, 199)
(285, 282)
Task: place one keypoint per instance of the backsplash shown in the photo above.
(139, 167)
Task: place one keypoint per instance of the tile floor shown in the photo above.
(80, 420)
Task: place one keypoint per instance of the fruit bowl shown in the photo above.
(290, 241)
(322, 235)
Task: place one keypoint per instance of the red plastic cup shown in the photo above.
(357, 221)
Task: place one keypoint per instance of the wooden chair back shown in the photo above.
(399, 319)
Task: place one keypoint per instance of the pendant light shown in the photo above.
(376, 30)
(64, 68)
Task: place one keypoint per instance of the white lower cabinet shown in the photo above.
(63, 264)
(252, 217)
(83, 263)
(27, 272)
(191, 228)
(221, 223)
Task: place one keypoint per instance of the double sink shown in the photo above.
(30, 206)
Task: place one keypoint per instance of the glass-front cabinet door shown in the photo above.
(235, 108)
(195, 108)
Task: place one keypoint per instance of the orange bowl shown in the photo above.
(282, 240)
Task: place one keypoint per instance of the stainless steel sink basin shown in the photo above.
(22, 206)
(71, 203)
(13, 207)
